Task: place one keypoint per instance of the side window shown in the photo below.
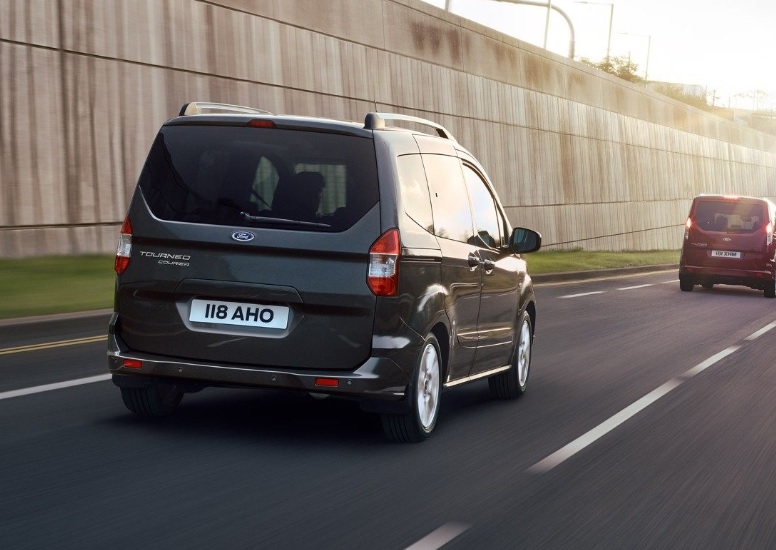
(452, 215)
(414, 191)
(486, 217)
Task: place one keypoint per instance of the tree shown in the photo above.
(676, 93)
(622, 67)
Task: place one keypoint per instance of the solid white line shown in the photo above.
(582, 294)
(440, 537)
(760, 332)
(634, 287)
(56, 386)
(602, 429)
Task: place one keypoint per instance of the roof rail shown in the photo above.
(376, 121)
(197, 108)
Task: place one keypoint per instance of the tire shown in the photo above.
(512, 383)
(685, 283)
(770, 289)
(424, 393)
(154, 401)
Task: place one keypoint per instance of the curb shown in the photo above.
(600, 273)
(55, 317)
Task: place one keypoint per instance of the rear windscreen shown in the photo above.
(729, 216)
(253, 177)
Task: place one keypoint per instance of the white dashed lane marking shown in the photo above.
(635, 287)
(628, 412)
(581, 294)
(440, 537)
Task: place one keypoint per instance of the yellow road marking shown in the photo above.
(49, 345)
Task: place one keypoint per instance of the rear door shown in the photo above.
(461, 273)
(250, 246)
(501, 271)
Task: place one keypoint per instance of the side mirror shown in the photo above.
(524, 240)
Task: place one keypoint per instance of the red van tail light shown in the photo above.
(124, 247)
(769, 234)
(687, 226)
(383, 274)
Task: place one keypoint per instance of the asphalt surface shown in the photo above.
(649, 422)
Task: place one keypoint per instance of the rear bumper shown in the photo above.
(717, 275)
(380, 382)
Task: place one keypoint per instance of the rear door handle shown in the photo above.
(474, 261)
(490, 265)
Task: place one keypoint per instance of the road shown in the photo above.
(649, 422)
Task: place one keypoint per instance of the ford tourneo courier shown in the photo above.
(729, 240)
(358, 260)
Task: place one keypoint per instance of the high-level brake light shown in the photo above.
(124, 247)
(383, 274)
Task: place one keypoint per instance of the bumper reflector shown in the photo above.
(133, 364)
(327, 382)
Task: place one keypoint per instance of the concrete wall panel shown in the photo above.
(587, 159)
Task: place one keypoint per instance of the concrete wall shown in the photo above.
(587, 159)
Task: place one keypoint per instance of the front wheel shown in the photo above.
(423, 393)
(152, 401)
(513, 382)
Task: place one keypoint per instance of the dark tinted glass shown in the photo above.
(449, 199)
(730, 216)
(414, 191)
(255, 177)
(486, 218)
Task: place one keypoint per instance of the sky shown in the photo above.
(726, 46)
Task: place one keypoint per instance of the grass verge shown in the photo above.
(63, 284)
(561, 261)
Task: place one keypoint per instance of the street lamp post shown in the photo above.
(547, 23)
(541, 3)
(611, 19)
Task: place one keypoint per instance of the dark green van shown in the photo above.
(363, 261)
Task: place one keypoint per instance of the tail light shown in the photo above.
(383, 274)
(687, 226)
(769, 234)
(124, 247)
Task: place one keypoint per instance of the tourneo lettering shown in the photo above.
(235, 313)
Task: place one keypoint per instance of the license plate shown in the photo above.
(725, 254)
(237, 313)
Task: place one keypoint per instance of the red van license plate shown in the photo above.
(725, 254)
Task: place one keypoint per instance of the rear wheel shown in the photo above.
(423, 394)
(685, 283)
(770, 289)
(153, 401)
(512, 383)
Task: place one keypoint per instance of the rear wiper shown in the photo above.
(282, 221)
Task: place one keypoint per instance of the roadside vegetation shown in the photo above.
(42, 286)
(561, 261)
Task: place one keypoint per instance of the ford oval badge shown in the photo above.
(243, 236)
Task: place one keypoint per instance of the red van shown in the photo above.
(729, 240)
